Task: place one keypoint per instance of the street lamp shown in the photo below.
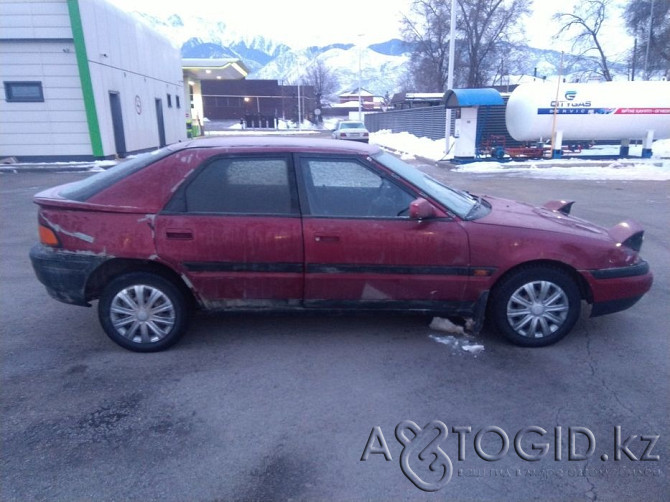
(360, 50)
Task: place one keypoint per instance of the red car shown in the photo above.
(298, 224)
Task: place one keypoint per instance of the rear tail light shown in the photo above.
(48, 237)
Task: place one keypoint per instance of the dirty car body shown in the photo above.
(299, 224)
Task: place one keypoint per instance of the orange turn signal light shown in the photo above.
(48, 237)
(481, 272)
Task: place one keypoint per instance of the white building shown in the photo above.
(83, 80)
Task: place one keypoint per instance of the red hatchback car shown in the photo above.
(298, 224)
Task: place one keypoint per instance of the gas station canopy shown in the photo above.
(211, 69)
(460, 98)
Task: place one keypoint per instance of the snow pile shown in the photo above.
(410, 146)
(661, 149)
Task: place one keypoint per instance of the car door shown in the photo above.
(361, 247)
(234, 230)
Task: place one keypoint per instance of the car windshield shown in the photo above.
(352, 125)
(458, 201)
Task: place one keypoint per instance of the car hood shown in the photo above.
(551, 217)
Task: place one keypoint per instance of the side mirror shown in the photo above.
(421, 209)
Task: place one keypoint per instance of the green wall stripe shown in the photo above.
(85, 78)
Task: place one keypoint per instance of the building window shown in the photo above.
(169, 100)
(176, 98)
(24, 92)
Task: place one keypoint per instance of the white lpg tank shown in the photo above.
(606, 110)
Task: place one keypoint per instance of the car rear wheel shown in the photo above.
(143, 312)
(536, 306)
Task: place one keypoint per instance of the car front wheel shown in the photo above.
(143, 312)
(536, 306)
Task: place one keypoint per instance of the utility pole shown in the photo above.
(646, 55)
(632, 71)
(450, 73)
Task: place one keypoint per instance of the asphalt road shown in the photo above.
(282, 407)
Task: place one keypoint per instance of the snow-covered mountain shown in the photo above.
(382, 65)
(379, 74)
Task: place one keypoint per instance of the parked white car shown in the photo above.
(351, 130)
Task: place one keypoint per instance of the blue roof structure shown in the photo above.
(461, 98)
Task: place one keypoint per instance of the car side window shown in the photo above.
(347, 188)
(240, 186)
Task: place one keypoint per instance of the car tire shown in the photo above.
(143, 312)
(536, 306)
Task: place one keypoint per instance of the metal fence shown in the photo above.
(422, 122)
(429, 122)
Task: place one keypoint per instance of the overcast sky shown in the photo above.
(301, 23)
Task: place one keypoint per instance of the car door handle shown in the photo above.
(179, 234)
(327, 238)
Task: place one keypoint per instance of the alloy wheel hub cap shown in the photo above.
(537, 309)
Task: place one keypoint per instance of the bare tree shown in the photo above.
(485, 24)
(652, 52)
(427, 28)
(482, 27)
(511, 60)
(322, 79)
(586, 21)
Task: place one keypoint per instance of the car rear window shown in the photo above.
(87, 188)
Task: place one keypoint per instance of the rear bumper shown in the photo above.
(64, 274)
(359, 140)
(617, 289)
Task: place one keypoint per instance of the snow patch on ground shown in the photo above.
(574, 169)
(458, 343)
(654, 169)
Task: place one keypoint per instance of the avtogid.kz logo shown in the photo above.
(424, 445)
(426, 463)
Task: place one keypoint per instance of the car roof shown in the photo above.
(284, 143)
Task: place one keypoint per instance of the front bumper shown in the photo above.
(64, 274)
(617, 289)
